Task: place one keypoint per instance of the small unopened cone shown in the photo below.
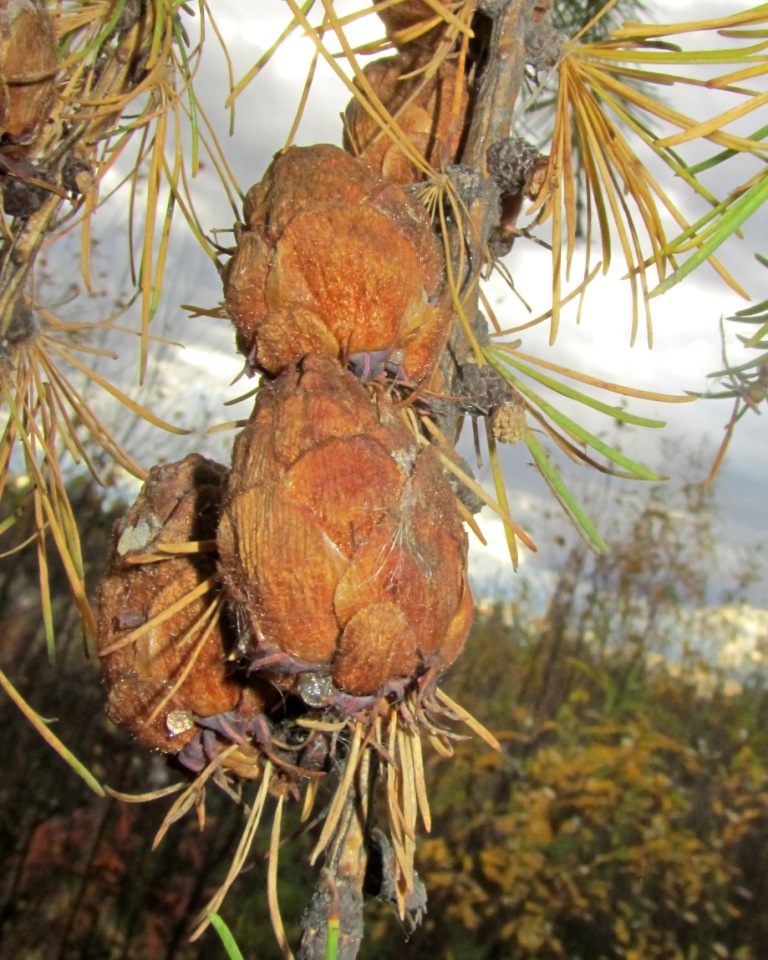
(27, 69)
(178, 504)
(412, 22)
(429, 111)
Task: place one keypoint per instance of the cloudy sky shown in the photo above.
(193, 383)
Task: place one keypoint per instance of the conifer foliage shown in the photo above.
(280, 627)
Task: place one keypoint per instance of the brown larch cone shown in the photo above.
(179, 503)
(427, 110)
(411, 22)
(333, 259)
(27, 69)
(340, 542)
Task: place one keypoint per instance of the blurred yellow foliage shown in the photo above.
(627, 815)
(625, 840)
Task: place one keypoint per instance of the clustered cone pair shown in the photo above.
(341, 565)
(278, 620)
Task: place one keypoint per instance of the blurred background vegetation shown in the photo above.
(626, 816)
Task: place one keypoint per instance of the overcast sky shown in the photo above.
(194, 382)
